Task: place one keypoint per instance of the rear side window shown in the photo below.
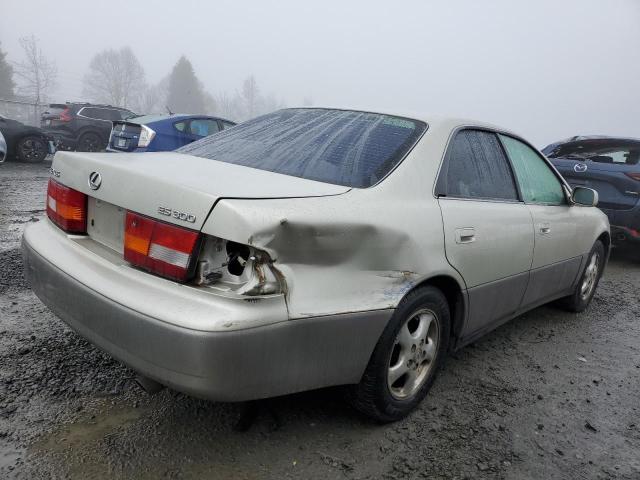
(180, 126)
(342, 147)
(538, 183)
(476, 167)
(203, 127)
(226, 125)
(100, 113)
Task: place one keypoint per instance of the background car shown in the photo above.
(84, 127)
(309, 248)
(611, 166)
(157, 133)
(3, 149)
(24, 142)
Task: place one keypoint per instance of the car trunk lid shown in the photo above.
(172, 187)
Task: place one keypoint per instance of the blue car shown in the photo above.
(160, 133)
(611, 166)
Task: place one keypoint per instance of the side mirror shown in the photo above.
(585, 196)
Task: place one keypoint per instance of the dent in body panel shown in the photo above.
(355, 255)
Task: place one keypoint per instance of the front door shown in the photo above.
(488, 230)
(559, 241)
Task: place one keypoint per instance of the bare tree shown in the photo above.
(251, 95)
(36, 74)
(115, 77)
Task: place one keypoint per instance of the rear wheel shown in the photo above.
(31, 149)
(586, 287)
(90, 142)
(407, 357)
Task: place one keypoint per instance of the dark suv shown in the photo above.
(610, 165)
(81, 126)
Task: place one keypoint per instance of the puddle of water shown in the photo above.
(77, 435)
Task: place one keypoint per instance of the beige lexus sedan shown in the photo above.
(312, 247)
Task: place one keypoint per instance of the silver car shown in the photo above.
(312, 247)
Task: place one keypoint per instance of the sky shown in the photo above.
(545, 69)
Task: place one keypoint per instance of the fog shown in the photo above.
(545, 69)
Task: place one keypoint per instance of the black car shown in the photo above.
(25, 143)
(84, 127)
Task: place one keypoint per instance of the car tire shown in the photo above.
(90, 142)
(407, 357)
(31, 149)
(586, 287)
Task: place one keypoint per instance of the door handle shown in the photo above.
(465, 235)
(545, 229)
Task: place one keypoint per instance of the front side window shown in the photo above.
(538, 183)
(342, 147)
(476, 167)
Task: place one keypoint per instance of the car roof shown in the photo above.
(429, 118)
(144, 119)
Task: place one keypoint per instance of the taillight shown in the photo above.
(146, 135)
(159, 247)
(65, 115)
(67, 208)
(633, 175)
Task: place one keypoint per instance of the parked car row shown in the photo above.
(159, 133)
(86, 127)
(308, 248)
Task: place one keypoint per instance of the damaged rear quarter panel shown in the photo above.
(358, 251)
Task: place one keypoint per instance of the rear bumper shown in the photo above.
(204, 352)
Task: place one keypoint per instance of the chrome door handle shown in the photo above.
(465, 235)
(545, 229)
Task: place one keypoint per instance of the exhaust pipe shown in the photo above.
(150, 386)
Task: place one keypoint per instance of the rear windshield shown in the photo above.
(354, 149)
(621, 151)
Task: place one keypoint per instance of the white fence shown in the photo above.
(25, 112)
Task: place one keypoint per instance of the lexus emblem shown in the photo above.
(95, 180)
(580, 167)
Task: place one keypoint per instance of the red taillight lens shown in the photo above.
(65, 115)
(159, 247)
(67, 208)
(634, 175)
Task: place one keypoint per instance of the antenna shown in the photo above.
(168, 110)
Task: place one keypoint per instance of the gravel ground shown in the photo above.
(548, 395)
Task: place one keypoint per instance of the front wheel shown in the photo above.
(31, 149)
(407, 357)
(581, 297)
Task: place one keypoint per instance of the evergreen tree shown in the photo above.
(185, 90)
(6, 77)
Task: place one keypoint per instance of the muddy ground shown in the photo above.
(549, 395)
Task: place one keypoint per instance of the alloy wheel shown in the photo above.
(413, 354)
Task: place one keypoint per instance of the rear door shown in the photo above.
(488, 231)
(560, 235)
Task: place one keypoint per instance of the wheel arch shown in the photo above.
(454, 292)
(605, 238)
